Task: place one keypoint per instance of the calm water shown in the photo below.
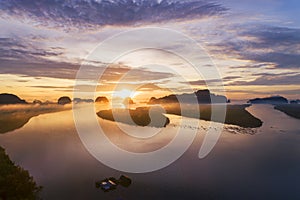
(265, 165)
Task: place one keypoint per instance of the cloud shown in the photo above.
(280, 59)
(19, 49)
(50, 87)
(25, 58)
(205, 82)
(264, 93)
(88, 13)
(65, 70)
(271, 79)
(272, 35)
(275, 46)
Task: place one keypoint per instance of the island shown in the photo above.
(140, 116)
(101, 99)
(6, 98)
(199, 105)
(64, 100)
(292, 110)
(269, 100)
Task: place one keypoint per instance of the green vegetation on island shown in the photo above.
(15, 182)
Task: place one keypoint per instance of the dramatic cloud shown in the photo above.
(66, 70)
(18, 49)
(277, 46)
(89, 13)
(20, 57)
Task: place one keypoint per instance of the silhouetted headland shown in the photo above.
(6, 98)
(269, 100)
(292, 110)
(142, 116)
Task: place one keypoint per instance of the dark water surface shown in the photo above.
(265, 165)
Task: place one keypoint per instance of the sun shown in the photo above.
(124, 93)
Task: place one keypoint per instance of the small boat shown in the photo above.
(107, 184)
(111, 183)
(125, 181)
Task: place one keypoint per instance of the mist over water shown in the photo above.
(260, 163)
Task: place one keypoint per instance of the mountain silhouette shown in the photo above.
(201, 96)
(269, 100)
(64, 100)
(101, 100)
(6, 98)
(79, 100)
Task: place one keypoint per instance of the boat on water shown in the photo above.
(111, 183)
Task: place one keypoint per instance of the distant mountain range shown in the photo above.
(269, 100)
(79, 100)
(200, 97)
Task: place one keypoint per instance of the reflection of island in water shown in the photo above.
(15, 112)
(13, 121)
(16, 116)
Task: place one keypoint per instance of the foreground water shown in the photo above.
(243, 165)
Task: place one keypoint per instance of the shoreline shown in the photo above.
(17, 115)
(292, 110)
(235, 115)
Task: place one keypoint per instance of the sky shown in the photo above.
(253, 46)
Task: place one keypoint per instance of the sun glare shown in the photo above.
(124, 93)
